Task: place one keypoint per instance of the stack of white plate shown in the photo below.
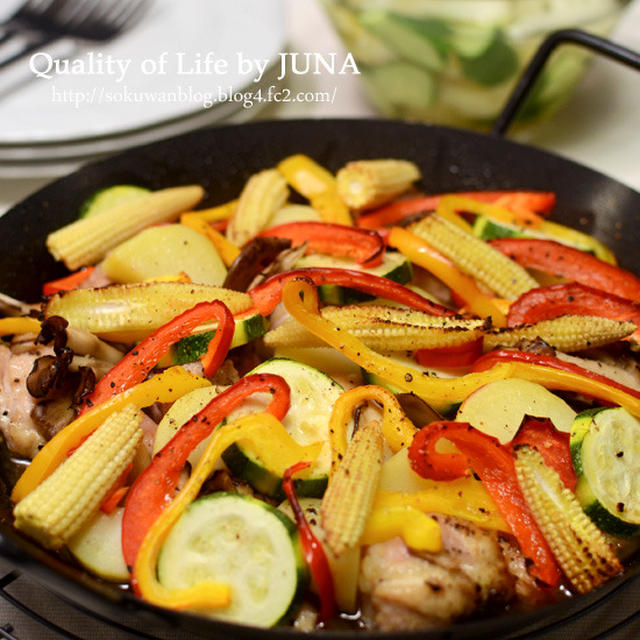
(172, 72)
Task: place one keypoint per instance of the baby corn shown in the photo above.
(347, 503)
(566, 333)
(264, 193)
(88, 240)
(369, 183)
(475, 257)
(578, 545)
(383, 328)
(132, 311)
(55, 510)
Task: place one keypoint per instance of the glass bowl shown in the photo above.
(454, 62)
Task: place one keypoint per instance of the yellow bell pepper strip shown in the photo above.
(136, 365)
(10, 326)
(216, 214)
(226, 249)
(155, 486)
(418, 251)
(306, 176)
(397, 429)
(448, 209)
(301, 301)
(418, 530)
(167, 386)
(317, 184)
(332, 208)
(278, 452)
(559, 374)
(464, 498)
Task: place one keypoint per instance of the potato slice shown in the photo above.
(98, 546)
(499, 407)
(165, 250)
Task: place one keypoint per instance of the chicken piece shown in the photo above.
(16, 424)
(478, 554)
(403, 590)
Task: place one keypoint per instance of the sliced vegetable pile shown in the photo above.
(403, 406)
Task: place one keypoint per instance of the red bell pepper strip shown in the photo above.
(110, 503)
(559, 259)
(539, 201)
(220, 225)
(488, 360)
(462, 355)
(155, 486)
(267, 296)
(365, 246)
(137, 364)
(68, 283)
(556, 300)
(311, 547)
(553, 446)
(494, 464)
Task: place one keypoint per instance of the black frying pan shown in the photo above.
(221, 160)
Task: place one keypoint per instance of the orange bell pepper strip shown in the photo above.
(68, 283)
(365, 246)
(418, 251)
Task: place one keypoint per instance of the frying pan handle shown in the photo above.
(531, 73)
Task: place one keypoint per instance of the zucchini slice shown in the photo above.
(110, 197)
(313, 394)
(394, 266)
(242, 542)
(605, 448)
(247, 328)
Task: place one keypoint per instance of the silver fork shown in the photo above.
(39, 22)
